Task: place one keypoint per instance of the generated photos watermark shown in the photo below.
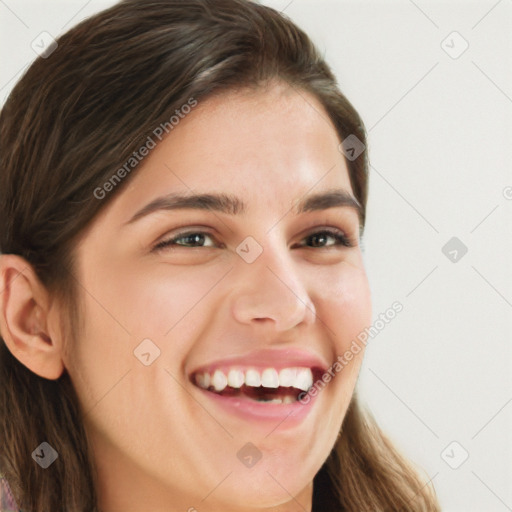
(357, 344)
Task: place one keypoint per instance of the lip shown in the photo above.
(285, 416)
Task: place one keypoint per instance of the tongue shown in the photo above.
(261, 393)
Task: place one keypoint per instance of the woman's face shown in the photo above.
(251, 290)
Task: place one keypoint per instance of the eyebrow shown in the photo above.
(232, 205)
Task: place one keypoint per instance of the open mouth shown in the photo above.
(269, 385)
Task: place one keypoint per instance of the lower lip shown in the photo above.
(285, 415)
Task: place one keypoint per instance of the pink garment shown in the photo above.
(7, 503)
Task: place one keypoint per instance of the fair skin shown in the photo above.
(160, 442)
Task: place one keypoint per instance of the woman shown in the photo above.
(181, 269)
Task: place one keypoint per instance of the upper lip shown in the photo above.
(268, 358)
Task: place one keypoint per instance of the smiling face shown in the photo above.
(195, 309)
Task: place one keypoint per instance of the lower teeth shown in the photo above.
(285, 400)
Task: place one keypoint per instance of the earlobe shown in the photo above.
(24, 308)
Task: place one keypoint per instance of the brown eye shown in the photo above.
(187, 239)
(319, 239)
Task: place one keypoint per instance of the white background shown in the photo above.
(440, 148)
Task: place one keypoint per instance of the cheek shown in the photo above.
(152, 302)
(172, 307)
(99, 354)
(165, 303)
(342, 299)
(343, 302)
(109, 379)
(344, 308)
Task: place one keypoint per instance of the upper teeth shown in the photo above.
(300, 378)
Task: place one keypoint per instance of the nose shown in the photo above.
(271, 290)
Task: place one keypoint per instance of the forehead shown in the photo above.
(268, 146)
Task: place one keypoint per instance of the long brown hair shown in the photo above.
(72, 121)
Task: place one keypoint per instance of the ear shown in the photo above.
(25, 314)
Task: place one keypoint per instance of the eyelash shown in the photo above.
(340, 237)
